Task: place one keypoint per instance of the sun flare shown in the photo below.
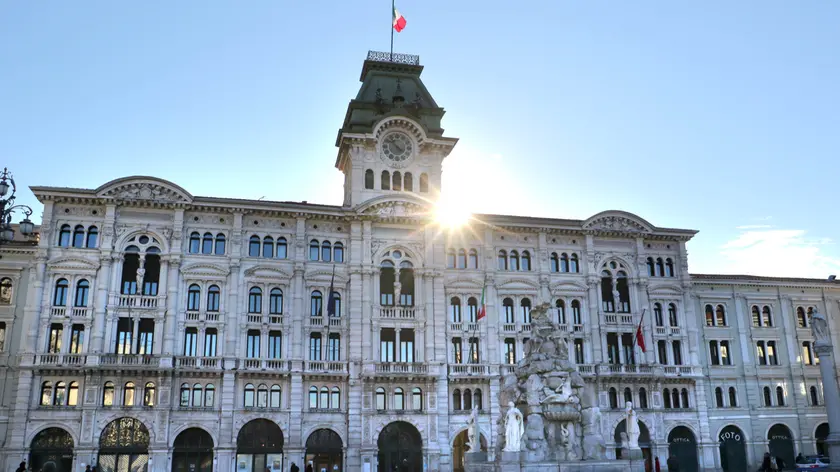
(451, 214)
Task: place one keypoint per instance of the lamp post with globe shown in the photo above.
(8, 208)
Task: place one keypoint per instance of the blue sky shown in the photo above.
(719, 116)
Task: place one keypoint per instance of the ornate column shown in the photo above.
(593, 320)
(171, 314)
(831, 393)
(33, 310)
(100, 303)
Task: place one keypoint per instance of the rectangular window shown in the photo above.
(315, 347)
(612, 348)
(387, 340)
(662, 350)
(627, 345)
(252, 349)
(334, 347)
(125, 330)
(77, 339)
(579, 359)
(456, 351)
(275, 345)
(407, 348)
(772, 358)
(474, 351)
(211, 338)
(806, 354)
(725, 358)
(146, 336)
(677, 352)
(510, 351)
(759, 353)
(190, 341)
(56, 332)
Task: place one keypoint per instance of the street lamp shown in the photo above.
(8, 208)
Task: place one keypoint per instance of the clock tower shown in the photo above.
(391, 142)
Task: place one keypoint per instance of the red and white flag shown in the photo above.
(482, 309)
(640, 338)
(398, 20)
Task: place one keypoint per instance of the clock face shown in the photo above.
(397, 147)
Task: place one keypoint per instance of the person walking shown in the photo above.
(656, 466)
(766, 464)
(21, 467)
(294, 468)
(673, 464)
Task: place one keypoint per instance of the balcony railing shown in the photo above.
(525, 328)
(586, 368)
(509, 328)
(675, 330)
(326, 366)
(621, 319)
(138, 301)
(678, 370)
(641, 369)
(456, 326)
(275, 319)
(505, 369)
(198, 362)
(129, 359)
(58, 311)
(254, 318)
(80, 312)
(401, 368)
(467, 369)
(577, 328)
(404, 312)
(61, 359)
(264, 364)
(335, 321)
(316, 321)
(660, 331)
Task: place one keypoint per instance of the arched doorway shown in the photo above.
(781, 443)
(683, 445)
(193, 451)
(51, 450)
(644, 441)
(259, 446)
(733, 450)
(324, 450)
(820, 435)
(400, 448)
(124, 446)
(459, 449)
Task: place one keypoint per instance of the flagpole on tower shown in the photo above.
(392, 30)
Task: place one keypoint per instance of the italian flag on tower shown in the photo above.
(482, 309)
(398, 19)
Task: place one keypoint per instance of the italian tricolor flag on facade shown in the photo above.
(399, 20)
(482, 309)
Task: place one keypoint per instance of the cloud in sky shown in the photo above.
(761, 250)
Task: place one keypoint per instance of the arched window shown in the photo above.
(275, 302)
(815, 399)
(336, 298)
(456, 399)
(338, 252)
(108, 394)
(195, 242)
(314, 250)
(79, 236)
(369, 179)
(561, 312)
(46, 393)
(282, 248)
(60, 394)
(207, 244)
(385, 181)
(525, 305)
(669, 267)
(326, 251)
(675, 398)
(60, 295)
(684, 395)
(193, 297)
(73, 394)
(255, 300)
(472, 310)
(756, 316)
(767, 399)
(214, 295)
(478, 401)
(268, 247)
(507, 303)
(424, 183)
(274, 397)
(209, 395)
(473, 259)
(149, 394)
(657, 314)
(197, 395)
(719, 397)
(733, 397)
(514, 260)
(254, 246)
(64, 236)
(554, 263)
(710, 315)
(720, 316)
(220, 245)
(185, 395)
(613, 398)
(503, 263)
(397, 181)
(467, 399)
(5, 291)
(576, 315)
(380, 398)
(335, 398)
(780, 396)
(316, 304)
(250, 393)
(399, 399)
(92, 236)
(262, 396)
(766, 317)
(324, 399)
(564, 262)
(526, 260)
(666, 398)
(313, 397)
(643, 399)
(128, 394)
(450, 259)
(660, 267)
(82, 290)
(801, 319)
(628, 395)
(455, 309)
(416, 399)
(651, 266)
(462, 259)
(408, 182)
(574, 264)
(672, 314)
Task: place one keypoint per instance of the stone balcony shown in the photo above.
(259, 365)
(198, 363)
(325, 367)
(468, 370)
(204, 316)
(61, 360)
(129, 360)
(73, 312)
(667, 331)
(271, 319)
(325, 321)
(619, 319)
(140, 302)
(398, 312)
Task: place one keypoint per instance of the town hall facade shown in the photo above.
(150, 328)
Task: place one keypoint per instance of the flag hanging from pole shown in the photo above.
(398, 20)
(482, 309)
(331, 298)
(640, 338)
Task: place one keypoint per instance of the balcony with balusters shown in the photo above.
(204, 316)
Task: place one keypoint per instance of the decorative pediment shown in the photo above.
(325, 276)
(388, 206)
(464, 284)
(617, 221)
(264, 272)
(73, 263)
(568, 287)
(518, 283)
(205, 269)
(665, 290)
(138, 188)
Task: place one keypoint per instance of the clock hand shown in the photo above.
(399, 148)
